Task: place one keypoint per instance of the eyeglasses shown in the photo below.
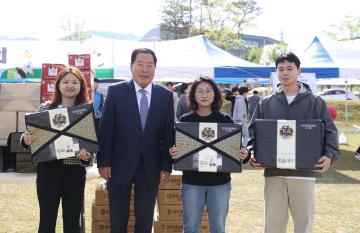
(208, 91)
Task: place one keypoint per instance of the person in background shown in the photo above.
(286, 188)
(253, 101)
(169, 86)
(62, 179)
(98, 101)
(136, 131)
(231, 97)
(241, 113)
(332, 111)
(184, 103)
(205, 188)
(357, 153)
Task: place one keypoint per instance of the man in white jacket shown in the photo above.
(240, 113)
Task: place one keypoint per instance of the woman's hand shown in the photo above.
(173, 151)
(29, 138)
(242, 153)
(83, 155)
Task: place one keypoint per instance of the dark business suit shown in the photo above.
(135, 155)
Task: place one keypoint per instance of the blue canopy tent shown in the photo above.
(338, 59)
(231, 69)
(316, 59)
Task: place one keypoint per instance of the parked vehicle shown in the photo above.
(337, 94)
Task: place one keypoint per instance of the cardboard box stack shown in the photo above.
(101, 213)
(15, 100)
(83, 62)
(170, 216)
(49, 73)
(23, 156)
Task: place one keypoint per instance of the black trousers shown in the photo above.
(57, 181)
(144, 203)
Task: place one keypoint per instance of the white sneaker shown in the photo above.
(357, 155)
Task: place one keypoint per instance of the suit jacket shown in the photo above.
(122, 140)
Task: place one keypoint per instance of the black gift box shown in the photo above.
(208, 147)
(288, 144)
(62, 132)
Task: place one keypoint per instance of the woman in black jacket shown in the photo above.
(200, 188)
(62, 179)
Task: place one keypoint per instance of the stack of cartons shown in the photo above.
(16, 99)
(170, 216)
(83, 62)
(24, 163)
(101, 212)
(49, 73)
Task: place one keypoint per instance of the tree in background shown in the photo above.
(175, 16)
(271, 52)
(253, 54)
(349, 29)
(72, 28)
(243, 14)
(221, 22)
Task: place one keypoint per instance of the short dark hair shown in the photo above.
(290, 57)
(234, 89)
(255, 92)
(169, 83)
(143, 50)
(216, 104)
(243, 90)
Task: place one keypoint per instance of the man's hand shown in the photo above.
(164, 176)
(254, 164)
(323, 164)
(105, 172)
(241, 153)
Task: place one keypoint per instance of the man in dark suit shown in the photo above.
(136, 132)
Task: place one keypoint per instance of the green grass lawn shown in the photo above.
(337, 200)
(337, 196)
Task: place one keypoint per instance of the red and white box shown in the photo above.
(50, 71)
(81, 61)
(46, 97)
(47, 86)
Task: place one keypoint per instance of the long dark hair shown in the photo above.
(216, 104)
(81, 98)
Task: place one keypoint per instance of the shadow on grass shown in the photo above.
(345, 163)
(335, 177)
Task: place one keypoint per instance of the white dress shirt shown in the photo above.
(148, 90)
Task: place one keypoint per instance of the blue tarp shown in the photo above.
(316, 59)
(231, 69)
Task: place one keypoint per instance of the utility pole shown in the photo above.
(190, 20)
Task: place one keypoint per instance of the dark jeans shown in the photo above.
(57, 181)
